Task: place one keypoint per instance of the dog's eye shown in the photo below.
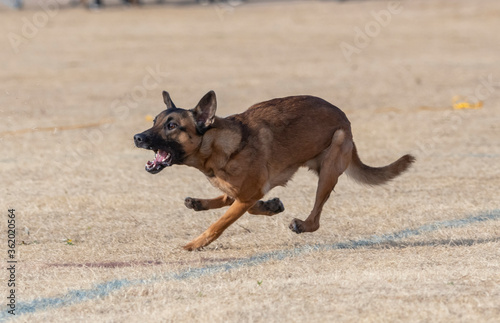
(171, 126)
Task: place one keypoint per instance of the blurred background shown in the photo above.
(79, 79)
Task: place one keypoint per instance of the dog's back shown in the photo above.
(296, 129)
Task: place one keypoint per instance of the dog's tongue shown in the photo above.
(160, 157)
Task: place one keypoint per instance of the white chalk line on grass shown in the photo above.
(104, 289)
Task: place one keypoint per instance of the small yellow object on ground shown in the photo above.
(460, 103)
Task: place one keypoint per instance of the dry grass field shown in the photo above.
(99, 240)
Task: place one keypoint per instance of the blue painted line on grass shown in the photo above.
(104, 289)
(72, 297)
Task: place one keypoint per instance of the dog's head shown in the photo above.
(177, 133)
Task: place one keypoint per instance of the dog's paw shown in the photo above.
(196, 244)
(274, 206)
(297, 226)
(191, 247)
(194, 204)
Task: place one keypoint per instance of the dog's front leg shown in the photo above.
(208, 204)
(235, 211)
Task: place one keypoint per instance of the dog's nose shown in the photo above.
(140, 140)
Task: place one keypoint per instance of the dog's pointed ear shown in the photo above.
(168, 101)
(204, 113)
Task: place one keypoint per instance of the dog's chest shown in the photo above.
(223, 185)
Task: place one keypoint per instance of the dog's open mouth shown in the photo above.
(162, 159)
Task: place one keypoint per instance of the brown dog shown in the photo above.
(247, 154)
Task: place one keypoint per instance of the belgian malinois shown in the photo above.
(246, 155)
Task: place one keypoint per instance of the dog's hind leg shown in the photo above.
(232, 214)
(333, 163)
(270, 207)
(208, 204)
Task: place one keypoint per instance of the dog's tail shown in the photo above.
(377, 175)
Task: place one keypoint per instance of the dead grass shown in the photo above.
(87, 183)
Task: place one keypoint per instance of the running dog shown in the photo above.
(247, 154)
